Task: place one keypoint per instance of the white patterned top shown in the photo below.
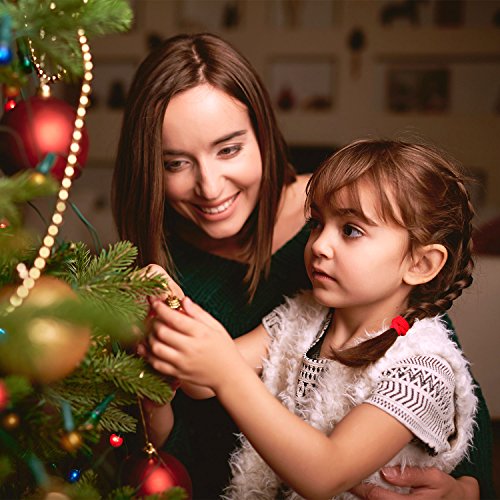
(422, 380)
(419, 392)
(312, 364)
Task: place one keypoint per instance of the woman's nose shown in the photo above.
(209, 182)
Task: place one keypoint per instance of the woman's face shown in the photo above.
(213, 167)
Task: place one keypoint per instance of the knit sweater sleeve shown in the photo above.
(418, 392)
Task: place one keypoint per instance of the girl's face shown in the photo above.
(356, 261)
(213, 166)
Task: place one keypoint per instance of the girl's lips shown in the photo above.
(319, 275)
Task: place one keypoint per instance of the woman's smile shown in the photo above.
(220, 209)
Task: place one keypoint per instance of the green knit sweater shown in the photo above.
(204, 434)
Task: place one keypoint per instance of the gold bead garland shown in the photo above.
(38, 63)
(30, 276)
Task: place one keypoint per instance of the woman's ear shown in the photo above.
(426, 263)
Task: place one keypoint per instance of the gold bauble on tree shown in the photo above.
(56, 347)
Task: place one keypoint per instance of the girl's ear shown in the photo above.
(427, 261)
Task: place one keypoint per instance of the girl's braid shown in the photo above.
(463, 268)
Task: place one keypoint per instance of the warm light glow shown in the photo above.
(57, 219)
(48, 241)
(44, 252)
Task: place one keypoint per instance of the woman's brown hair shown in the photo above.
(139, 206)
(432, 204)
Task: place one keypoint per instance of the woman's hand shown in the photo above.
(425, 484)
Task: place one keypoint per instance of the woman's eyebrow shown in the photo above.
(228, 137)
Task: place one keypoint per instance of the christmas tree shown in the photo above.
(70, 382)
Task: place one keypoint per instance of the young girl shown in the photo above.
(360, 372)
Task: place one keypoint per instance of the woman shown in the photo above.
(203, 187)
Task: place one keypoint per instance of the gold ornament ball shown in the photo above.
(10, 421)
(71, 441)
(56, 347)
(37, 179)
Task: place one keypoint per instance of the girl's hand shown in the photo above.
(426, 484)
(191, 345)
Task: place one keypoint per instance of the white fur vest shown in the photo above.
(293, 328)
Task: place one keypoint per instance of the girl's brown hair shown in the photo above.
(432, 203)
(139, 207)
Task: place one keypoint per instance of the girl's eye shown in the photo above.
(174, 165)
(230, 151)
(351, 231)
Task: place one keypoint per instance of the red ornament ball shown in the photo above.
(115, 440)
(157, 474)
(35, 127)
(4, 396)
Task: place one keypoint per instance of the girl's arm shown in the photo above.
(314, 465)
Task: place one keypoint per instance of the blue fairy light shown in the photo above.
(74, 475)
(5, 39)
(5, 54)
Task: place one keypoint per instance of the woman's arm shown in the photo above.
(314, 465)
(159, 420)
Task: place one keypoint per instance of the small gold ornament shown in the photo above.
(173, 302)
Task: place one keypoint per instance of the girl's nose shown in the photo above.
(322, 246)
(209, 182)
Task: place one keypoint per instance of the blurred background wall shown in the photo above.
(338, 70)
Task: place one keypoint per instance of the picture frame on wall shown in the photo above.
(302, 83)
(299, 14)
(208, 15)
(417, 89)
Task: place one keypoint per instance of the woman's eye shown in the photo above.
(351, 231)
(230, 151)
(173, 165)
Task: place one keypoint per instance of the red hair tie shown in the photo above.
(400, 325)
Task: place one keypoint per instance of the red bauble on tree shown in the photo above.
(4, 396)
(35, 127)
(156, 473)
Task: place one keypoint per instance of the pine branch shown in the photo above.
(59, 25)
(109, 281)
(131, 374)
(18, 189)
